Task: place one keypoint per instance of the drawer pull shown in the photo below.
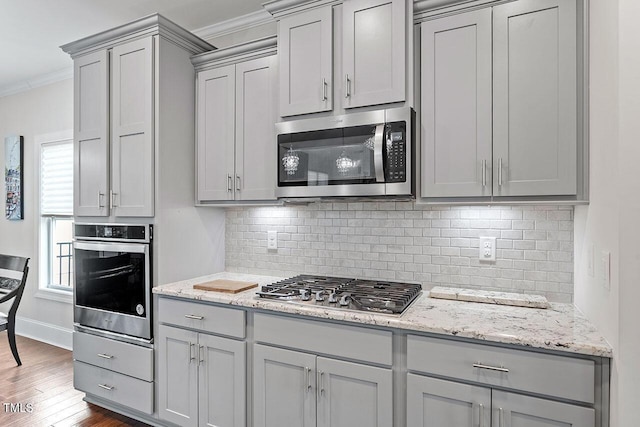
(106, 387)
(192, 316)
(491, 368)
(105, 356)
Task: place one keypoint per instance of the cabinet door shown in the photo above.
(222, 382)
(515, 410)
(284, 388)
(434, 403)
(456, 105)
(178, 376)
(534, 98)
(132, 93)
(351, 394)
(373, 51)
(305, 53)
(91, 130)
(216, 127)
(255, 131)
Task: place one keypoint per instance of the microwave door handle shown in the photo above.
(378, 160)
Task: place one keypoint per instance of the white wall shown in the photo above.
(610, 222)
(44, 110)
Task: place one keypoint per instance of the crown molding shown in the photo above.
(42, 80)
(233, 54)
(280, 8)
(239, 23)
(146, 26)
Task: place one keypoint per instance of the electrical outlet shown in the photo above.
(605, 259)
(272, 239)
(487, 249)
(590, 261)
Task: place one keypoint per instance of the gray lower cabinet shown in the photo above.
(201, 378)
(499, 102)
(435, 402)
(292, 388)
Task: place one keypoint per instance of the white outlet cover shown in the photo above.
(487, 249)
(605, 258)
(272, 239)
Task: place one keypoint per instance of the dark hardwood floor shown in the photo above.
(41, 393)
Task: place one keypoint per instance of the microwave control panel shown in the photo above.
(395, 152)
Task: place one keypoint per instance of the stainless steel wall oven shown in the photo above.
(113, 278)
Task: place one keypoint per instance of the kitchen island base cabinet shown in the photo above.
(300, 389)
(201, 379)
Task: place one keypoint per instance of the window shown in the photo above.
(56, 215)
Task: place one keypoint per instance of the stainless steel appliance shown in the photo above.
(337, 292)
(113, 278)
(359, 154)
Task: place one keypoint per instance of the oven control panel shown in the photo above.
(395, 152)
(119, 232)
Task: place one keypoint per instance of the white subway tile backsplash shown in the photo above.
(433, 245)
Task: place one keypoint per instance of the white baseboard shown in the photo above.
(45, 332)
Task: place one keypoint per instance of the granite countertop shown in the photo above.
(561, 327)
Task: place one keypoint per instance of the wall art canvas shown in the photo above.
(13, 177)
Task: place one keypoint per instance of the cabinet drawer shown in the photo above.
(560, 376)
(128, 359)
(350, 342)
(209, 318)
(118, 388)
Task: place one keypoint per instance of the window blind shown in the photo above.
(56, 178)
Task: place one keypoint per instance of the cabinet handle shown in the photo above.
(500, 417)
(106, 387)
(112, 198)
(191, 357)
(347, 86)
(484, 173)
(237, 182)
(324, 89)
(500, 172)
(229, 183)
(321, 383)
(200, 355)
(105, 356)
(192, 316)
(308, 372)
(481, 414)
(491, 368)
(100, 196)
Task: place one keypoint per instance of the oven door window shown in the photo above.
(328, 157)
(111, 281)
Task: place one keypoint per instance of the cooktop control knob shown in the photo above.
(304, 294)
(344, 300)
(333, 298)
(319, 295)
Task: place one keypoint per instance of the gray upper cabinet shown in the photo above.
(534, 98)
(91, 130)
(456, 105)
(499, 103)
(434, 402)
(216, 133)
(306, 62)
(132, 174)
(373, 52)
(236, 142)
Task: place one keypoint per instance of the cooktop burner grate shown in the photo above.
(339, 292)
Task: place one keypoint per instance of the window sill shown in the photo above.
(55, 295)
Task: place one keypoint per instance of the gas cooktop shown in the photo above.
(339, 292)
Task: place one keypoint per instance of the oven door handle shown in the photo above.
(378, 161)
(137, 248)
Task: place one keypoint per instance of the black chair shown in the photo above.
(12, 288)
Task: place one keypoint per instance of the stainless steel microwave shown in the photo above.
(359, 154)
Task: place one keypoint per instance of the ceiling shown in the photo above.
(31, 31)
